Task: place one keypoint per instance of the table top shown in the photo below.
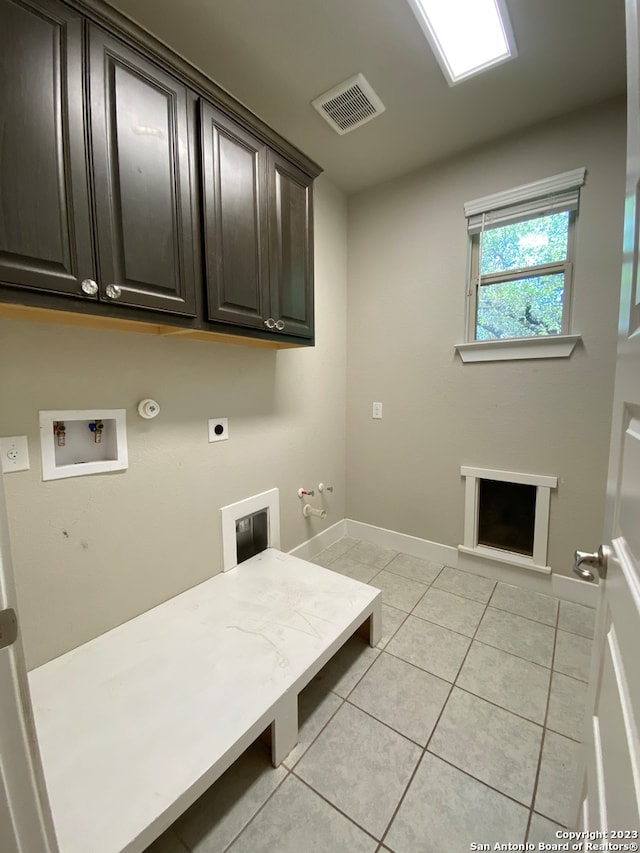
(134, 725)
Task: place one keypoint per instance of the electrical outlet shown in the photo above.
(14, 452)
(218, 429)
(377, 411)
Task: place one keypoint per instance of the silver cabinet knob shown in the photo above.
(270, 323)
(113, 291)
(279, 325)
(89, 286)
(596, 560)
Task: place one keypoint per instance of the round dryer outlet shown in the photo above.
(218, 429)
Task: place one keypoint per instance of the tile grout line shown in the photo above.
(262, 806)
(334, 806)
(544, 730)
(480, 782)
(346, 700)
(433, 731)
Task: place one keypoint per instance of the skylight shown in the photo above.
(467, 36)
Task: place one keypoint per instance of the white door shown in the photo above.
(25, 821)
(611, 784)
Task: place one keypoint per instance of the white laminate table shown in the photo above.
(136, 724)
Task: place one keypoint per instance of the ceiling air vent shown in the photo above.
(349, 105)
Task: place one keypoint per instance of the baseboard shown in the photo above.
(422, 548)
(557, 585)
(572, 589)
(560, 586)
(312, 547)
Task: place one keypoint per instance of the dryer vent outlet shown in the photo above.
(349, 104)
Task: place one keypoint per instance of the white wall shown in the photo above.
(91, 552)
(407, 272)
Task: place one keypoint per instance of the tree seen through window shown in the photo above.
(518, 295)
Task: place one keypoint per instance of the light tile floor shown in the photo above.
(462, 726)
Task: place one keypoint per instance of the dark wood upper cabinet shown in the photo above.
(142, 180)
(116, 203)
(45, 224)
(290, 246)
(234, 216)
(257, 231)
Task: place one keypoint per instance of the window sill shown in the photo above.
(554, 346)
(499, 556)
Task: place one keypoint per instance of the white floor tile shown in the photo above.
(373, 555)
(430, 647)
(511, 682)
(558, 778)
(541, 608)
(414, 568)
(466, 584)
(347, 666)
(451, 611)
(492, 745)
(297, 819)
(518, 636)
(361, 766)
(577, 619)
(392, 619)
(401, 593)
(404, 697)
(445, 811)
(226, 808)
(567, 706)
(543, 831)
(316, 706)
(347, 566)
(573, 655)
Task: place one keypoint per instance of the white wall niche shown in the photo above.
(81, 454)
(270, 501)
(538, 561)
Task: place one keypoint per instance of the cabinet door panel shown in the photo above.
(291, 248)
(45, 226)
(234, 165)
(140, 132)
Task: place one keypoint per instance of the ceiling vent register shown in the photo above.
(349, 105)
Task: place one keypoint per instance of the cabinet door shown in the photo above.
(143, 189)
(290, 247)
(45, 225)
(234, 203)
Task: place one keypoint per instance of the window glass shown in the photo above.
(542, 240)
(522, 308)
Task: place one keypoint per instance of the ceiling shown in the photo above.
(275, 56)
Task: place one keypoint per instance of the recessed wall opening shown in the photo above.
(506, 517)
(249, 527)
(252, 534)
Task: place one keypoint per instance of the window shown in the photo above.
(522, 246)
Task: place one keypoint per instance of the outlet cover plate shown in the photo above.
(14, 451)
(218, 429)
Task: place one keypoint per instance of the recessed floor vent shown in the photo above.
(349, 105)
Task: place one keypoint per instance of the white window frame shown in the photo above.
(555, 194)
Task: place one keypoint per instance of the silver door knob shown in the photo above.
(113, 291)
(270, 323)
(279, 325)
(596, 560)
(89, 286)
